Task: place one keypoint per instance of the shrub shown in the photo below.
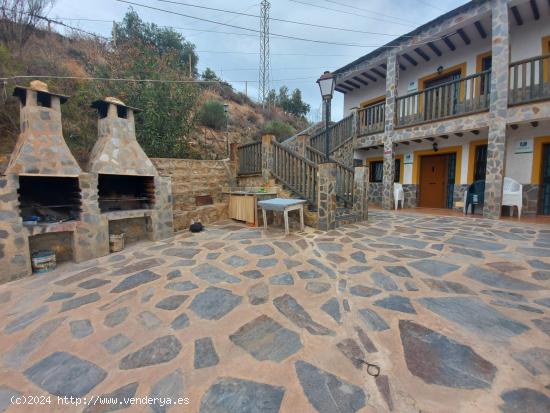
(281, 130)
(211, 114)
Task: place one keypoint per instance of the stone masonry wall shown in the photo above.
(191, 178)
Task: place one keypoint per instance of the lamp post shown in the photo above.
(327, 82)
(225, 111)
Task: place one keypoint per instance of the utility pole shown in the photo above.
(190, 66)
(265, 61)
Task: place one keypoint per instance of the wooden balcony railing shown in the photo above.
(296, 172)
(339, 133)
(458, 97)
(371, 119)
(250, 158)
(529, 80)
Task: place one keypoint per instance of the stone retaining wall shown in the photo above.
(190, 178)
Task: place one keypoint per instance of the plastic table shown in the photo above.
(283, 205)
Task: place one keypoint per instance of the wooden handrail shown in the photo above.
(529, 80)
(339, 132)
(296, 172)
(529, 59)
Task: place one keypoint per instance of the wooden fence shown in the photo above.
(250, 158)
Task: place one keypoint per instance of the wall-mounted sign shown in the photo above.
(524, 146)
(387, 151)
(412, 86)
(408, 158)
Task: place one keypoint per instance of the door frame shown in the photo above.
(445, 178)
(441, 151)
(538, 163)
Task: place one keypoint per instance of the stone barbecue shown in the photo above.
(49, 202)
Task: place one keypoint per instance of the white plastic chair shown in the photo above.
(512, 195)
(398, 195)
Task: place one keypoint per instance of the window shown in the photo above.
(376, 171)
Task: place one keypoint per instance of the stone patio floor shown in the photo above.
(453, 310)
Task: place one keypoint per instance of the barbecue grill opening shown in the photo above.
(49, 199)
(125, 192)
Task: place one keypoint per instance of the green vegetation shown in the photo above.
(212, 115)
(168, 124)
(281, 130)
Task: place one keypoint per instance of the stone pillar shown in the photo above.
(267, 156)
(389, 174)
(302, 141)
(14, 244)
(162, 226)
(326, 196)
(392, 75)
(361, 192)
(498, 109)
(91, 236)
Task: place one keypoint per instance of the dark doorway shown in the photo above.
(480, 163)
(544, 201)
(433, 181)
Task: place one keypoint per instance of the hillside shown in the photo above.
(76, 56)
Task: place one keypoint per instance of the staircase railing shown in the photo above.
(339, 133)
(296, 172)
(250, 158)
(344, 175)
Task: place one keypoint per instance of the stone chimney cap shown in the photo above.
(38, 86)
(112, 100)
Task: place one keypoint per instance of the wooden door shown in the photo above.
(433, 181)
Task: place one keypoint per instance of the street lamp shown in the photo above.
(225, 111)
(327, 82)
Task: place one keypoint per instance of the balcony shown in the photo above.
(529, 80)
(456, 98)
(371, 119)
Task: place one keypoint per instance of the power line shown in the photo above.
(425, 3)
(276, 19)
(411, 23)
(130, 80)
(247, 28)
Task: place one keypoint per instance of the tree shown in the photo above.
(162, 40)
(292, 104)
(209, 75)
(20, 18)
(145, 51)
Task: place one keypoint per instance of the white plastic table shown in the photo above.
(284, 205)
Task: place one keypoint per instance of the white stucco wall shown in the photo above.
(519, 165)
(525, 42)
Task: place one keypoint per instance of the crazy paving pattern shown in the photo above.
(454, 311)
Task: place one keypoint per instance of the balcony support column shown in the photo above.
(267, 156)
(392, 75)
(498, 109)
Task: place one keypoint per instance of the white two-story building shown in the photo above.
(462, 99)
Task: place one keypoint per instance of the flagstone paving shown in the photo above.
(455, 312)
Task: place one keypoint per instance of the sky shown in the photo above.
(233, 53)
